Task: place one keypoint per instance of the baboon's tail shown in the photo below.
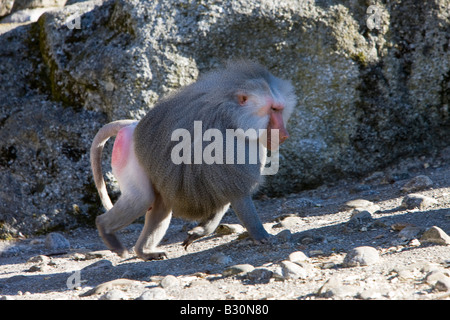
(107, 131)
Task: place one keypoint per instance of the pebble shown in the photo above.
(199, 283)
(410, 232)
(38, 268)
(378, 177)
(220, 258)
(110, 285)
(329, 288)
(298, 256)
(417, 201)
(436, 275)
(358, 203)
(399, 226)
(360, 221)
(417, 183)
(100, 264)
(443, 284)
(371, 209)
(335, 288)
(290, 222)
(306, 239)
(169, 281)
(26, 15)
(405, 274)
(226, 228)
(435, 235)
(55, 241)
(114, 294)
(39, 259)
(285, 235)
(76, 256)
(414, 243)
(260, 275)
(238, 269)
(316, 253)
(153, 294)
(291, 270)
(361, 256)
(295, 204)
(97, 254)
(370, 294)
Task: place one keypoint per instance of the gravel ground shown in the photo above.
(324, 247)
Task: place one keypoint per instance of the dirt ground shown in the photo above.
(316, 222)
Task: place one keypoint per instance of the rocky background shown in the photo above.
(364, 178)
(372, 77)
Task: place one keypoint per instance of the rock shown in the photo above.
(243, 235)
(291, 222)
(110, 285)
(297, 257)
(436, 275)
(284, 236)
(97, 254)
(410, 232)
(38, 268)
(361, 256)
(361, 218)
(39, 259)
(309, 237)
(75, 256)
(378, 177)
(26, 15)
(153, 294)
(371, 209)
(199, 283)
(435, 235)
(417, 183)
(443, 284)
(292, 270)
(399, 226)
(414, 243)
(335, 288)
(405, 274)
(298, 203)
(358, 203)
(100, 264)
(56, 242)
(260, 275)
(114, 294)
(28, 4)
(238, 269)
(220, 258)
(169, 281)
(316, 253)
(330, 288)
(417, 201)
(6, 7)
(227, 228)
(359, 221)
(370, 294)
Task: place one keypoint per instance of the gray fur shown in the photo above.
(197, 191)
